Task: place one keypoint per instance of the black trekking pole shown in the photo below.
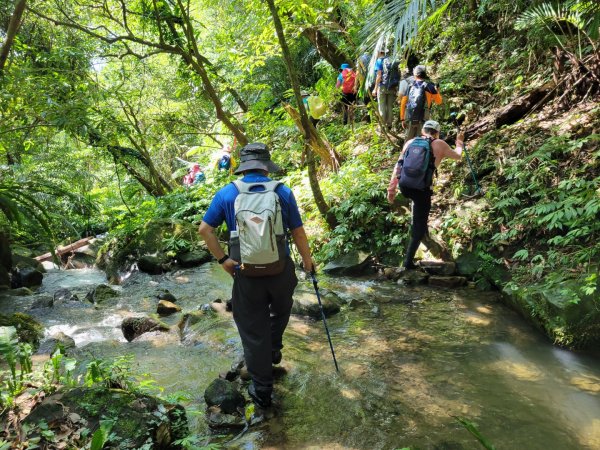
(314, 280)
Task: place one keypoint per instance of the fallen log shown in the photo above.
(69, 248)
(511, 113)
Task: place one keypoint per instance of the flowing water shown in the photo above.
(411, 361)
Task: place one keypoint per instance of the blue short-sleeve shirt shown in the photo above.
(221, 208)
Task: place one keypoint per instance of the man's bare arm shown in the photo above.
(208, 234)
(301, 241)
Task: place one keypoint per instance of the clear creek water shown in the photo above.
(411, 360)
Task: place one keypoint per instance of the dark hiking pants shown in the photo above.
(420, 214)
(261, 310)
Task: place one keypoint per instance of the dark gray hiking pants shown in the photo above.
(261, 310)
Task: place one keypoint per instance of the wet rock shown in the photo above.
(22, 261)
(133, 327)
(63, 295)
(193, 258)
(206, 307)
(191, 318)
(27, 277)
(49, 346)
(45, 301)
(225, 395)
(152, 265)
(166, 308)
(438, 267)
(306, 303)
(20, 292)
(140, 421)
(101, 294)
(353, 263)
(166, 295)
(375, 311)
(28, 329)
(217, 419)
(412, 277)
(447, 282)
(79, 260)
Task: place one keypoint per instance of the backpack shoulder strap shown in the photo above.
(245, 188)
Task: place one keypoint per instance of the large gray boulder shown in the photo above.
(353, 263)
(101, 294)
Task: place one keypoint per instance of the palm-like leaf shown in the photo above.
(583, 15)
(398, 21)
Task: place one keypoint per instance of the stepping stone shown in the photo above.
(447, 282)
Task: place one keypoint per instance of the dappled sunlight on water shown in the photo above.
(410, 359)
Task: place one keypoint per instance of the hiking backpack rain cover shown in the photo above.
(348, 77)
(417, 101)
(418, 165)
(258, 243)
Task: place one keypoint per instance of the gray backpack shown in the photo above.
(259, 242)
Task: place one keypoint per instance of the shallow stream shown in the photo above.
(411, 361)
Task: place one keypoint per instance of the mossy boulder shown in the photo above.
(101, 294)
(22, 261)
(225, 395)
(133, 327)
(139, 421)
(568, 320)
(353, 264)
(28, 329)
(153, 265)
(120, 252)
(193, 258)
(306, 303)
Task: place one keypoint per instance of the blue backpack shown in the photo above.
(418, 165)
(224, 162)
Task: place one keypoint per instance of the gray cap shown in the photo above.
(420, 71)
(256, 156)
(433, 125)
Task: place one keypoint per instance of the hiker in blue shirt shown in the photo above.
(261, 304)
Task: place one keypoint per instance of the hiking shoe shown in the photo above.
(276, 356)
(262, 399)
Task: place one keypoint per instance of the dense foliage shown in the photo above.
(99, 99)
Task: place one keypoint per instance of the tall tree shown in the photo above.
(125, 26)
(306, 125)
(11, 33)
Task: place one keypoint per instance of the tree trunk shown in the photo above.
(316, 189)
(327, 49)
(291, 70)
(11, 33)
